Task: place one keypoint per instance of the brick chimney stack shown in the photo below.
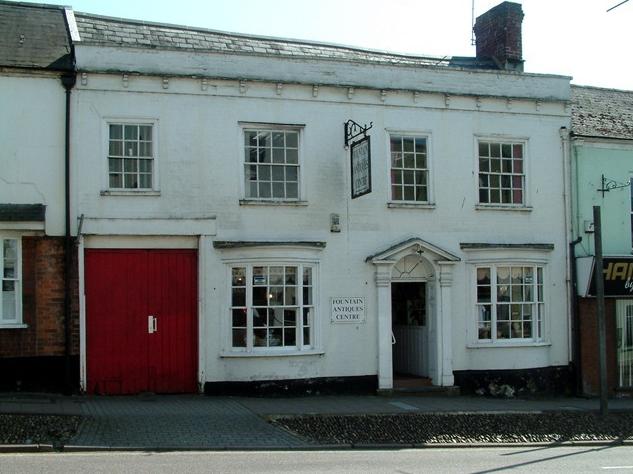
(498, 34)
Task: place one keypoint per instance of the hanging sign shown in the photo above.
(618, 277)
(361, 167)
(348, 309)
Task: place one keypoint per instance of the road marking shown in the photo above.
(616, 467)
(404, 406)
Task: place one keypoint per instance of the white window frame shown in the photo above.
(17, 322)
(536, 339)
(272, 127)
(250, 348)
(155, 188)
(503, 139)
(429, 168)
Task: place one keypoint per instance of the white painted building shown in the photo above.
(212, 184)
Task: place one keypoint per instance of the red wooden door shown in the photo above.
(141, 321)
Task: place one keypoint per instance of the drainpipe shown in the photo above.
(569, 251)
(68, 81)
(573, 302)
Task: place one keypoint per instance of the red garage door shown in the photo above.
(141, 321)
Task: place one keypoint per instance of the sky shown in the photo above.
(577, 38)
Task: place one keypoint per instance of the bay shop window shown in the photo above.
(272, 307)
(509, 303)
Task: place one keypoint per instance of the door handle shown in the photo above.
(152, 324)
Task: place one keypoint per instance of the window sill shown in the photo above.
(240, 355)
(495, 345)
(501, 207)
(13, 326)
(410, 205)
(129, 193)
(280, 202)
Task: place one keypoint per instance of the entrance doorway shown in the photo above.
(141, 321)
(409, 331)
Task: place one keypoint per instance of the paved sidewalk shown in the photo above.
(205, 422)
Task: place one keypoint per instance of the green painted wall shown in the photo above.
(590, 160)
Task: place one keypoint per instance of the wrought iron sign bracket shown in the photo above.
(353, 130)
(609, 184)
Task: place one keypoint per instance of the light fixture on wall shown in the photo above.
(609, 184)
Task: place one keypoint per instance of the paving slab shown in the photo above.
(173, 422)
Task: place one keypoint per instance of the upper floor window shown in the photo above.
(510, 302)
(271, 163)
(501, 173)
(10, 307)
(131, 156)
(409, 168)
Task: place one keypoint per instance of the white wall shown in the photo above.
(200, 163)
(32, 124)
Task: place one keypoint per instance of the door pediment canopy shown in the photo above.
(410, 246)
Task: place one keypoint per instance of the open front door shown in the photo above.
(409, 326)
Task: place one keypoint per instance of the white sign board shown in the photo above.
(348, 309)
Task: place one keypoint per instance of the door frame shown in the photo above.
(182, 242)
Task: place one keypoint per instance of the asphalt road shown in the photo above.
(617, 459)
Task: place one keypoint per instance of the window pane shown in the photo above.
(278, 155)
(420, 145)
(291, 275)
(276, 317)
(260, 337)
(290, 317)
(483, 294)
(484, 149)
(307, 295)
(250, 138)
(239, 337)
(260, 296)
(278, 190)
(407, 144)
(292, 157)
(307, 317)
(307, 277)
(260, 275)
(291, 173)
(239, 318)
(130, 165)
(9, 312)
(276, 296)
(145, 133)
(306, 337)
(275, 337)
(278, 139)
(276, 275)
(238, 297)
(409, 193)
(290, 296)
(131, 132)
(292, 190)
(131, 181)
(503, 330)
(263, 139)
(115, 148)
(238, 276)
(116, 181)
(396, 144)
(290, 337)
(145, 181)
(116, 132)
(264, 190)
(292, 139)
(260, 317)
(409, 160)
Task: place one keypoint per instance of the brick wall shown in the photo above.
(589, 359)
(43, 302)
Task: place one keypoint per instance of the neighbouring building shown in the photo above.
(602, 168)
(38, 321)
